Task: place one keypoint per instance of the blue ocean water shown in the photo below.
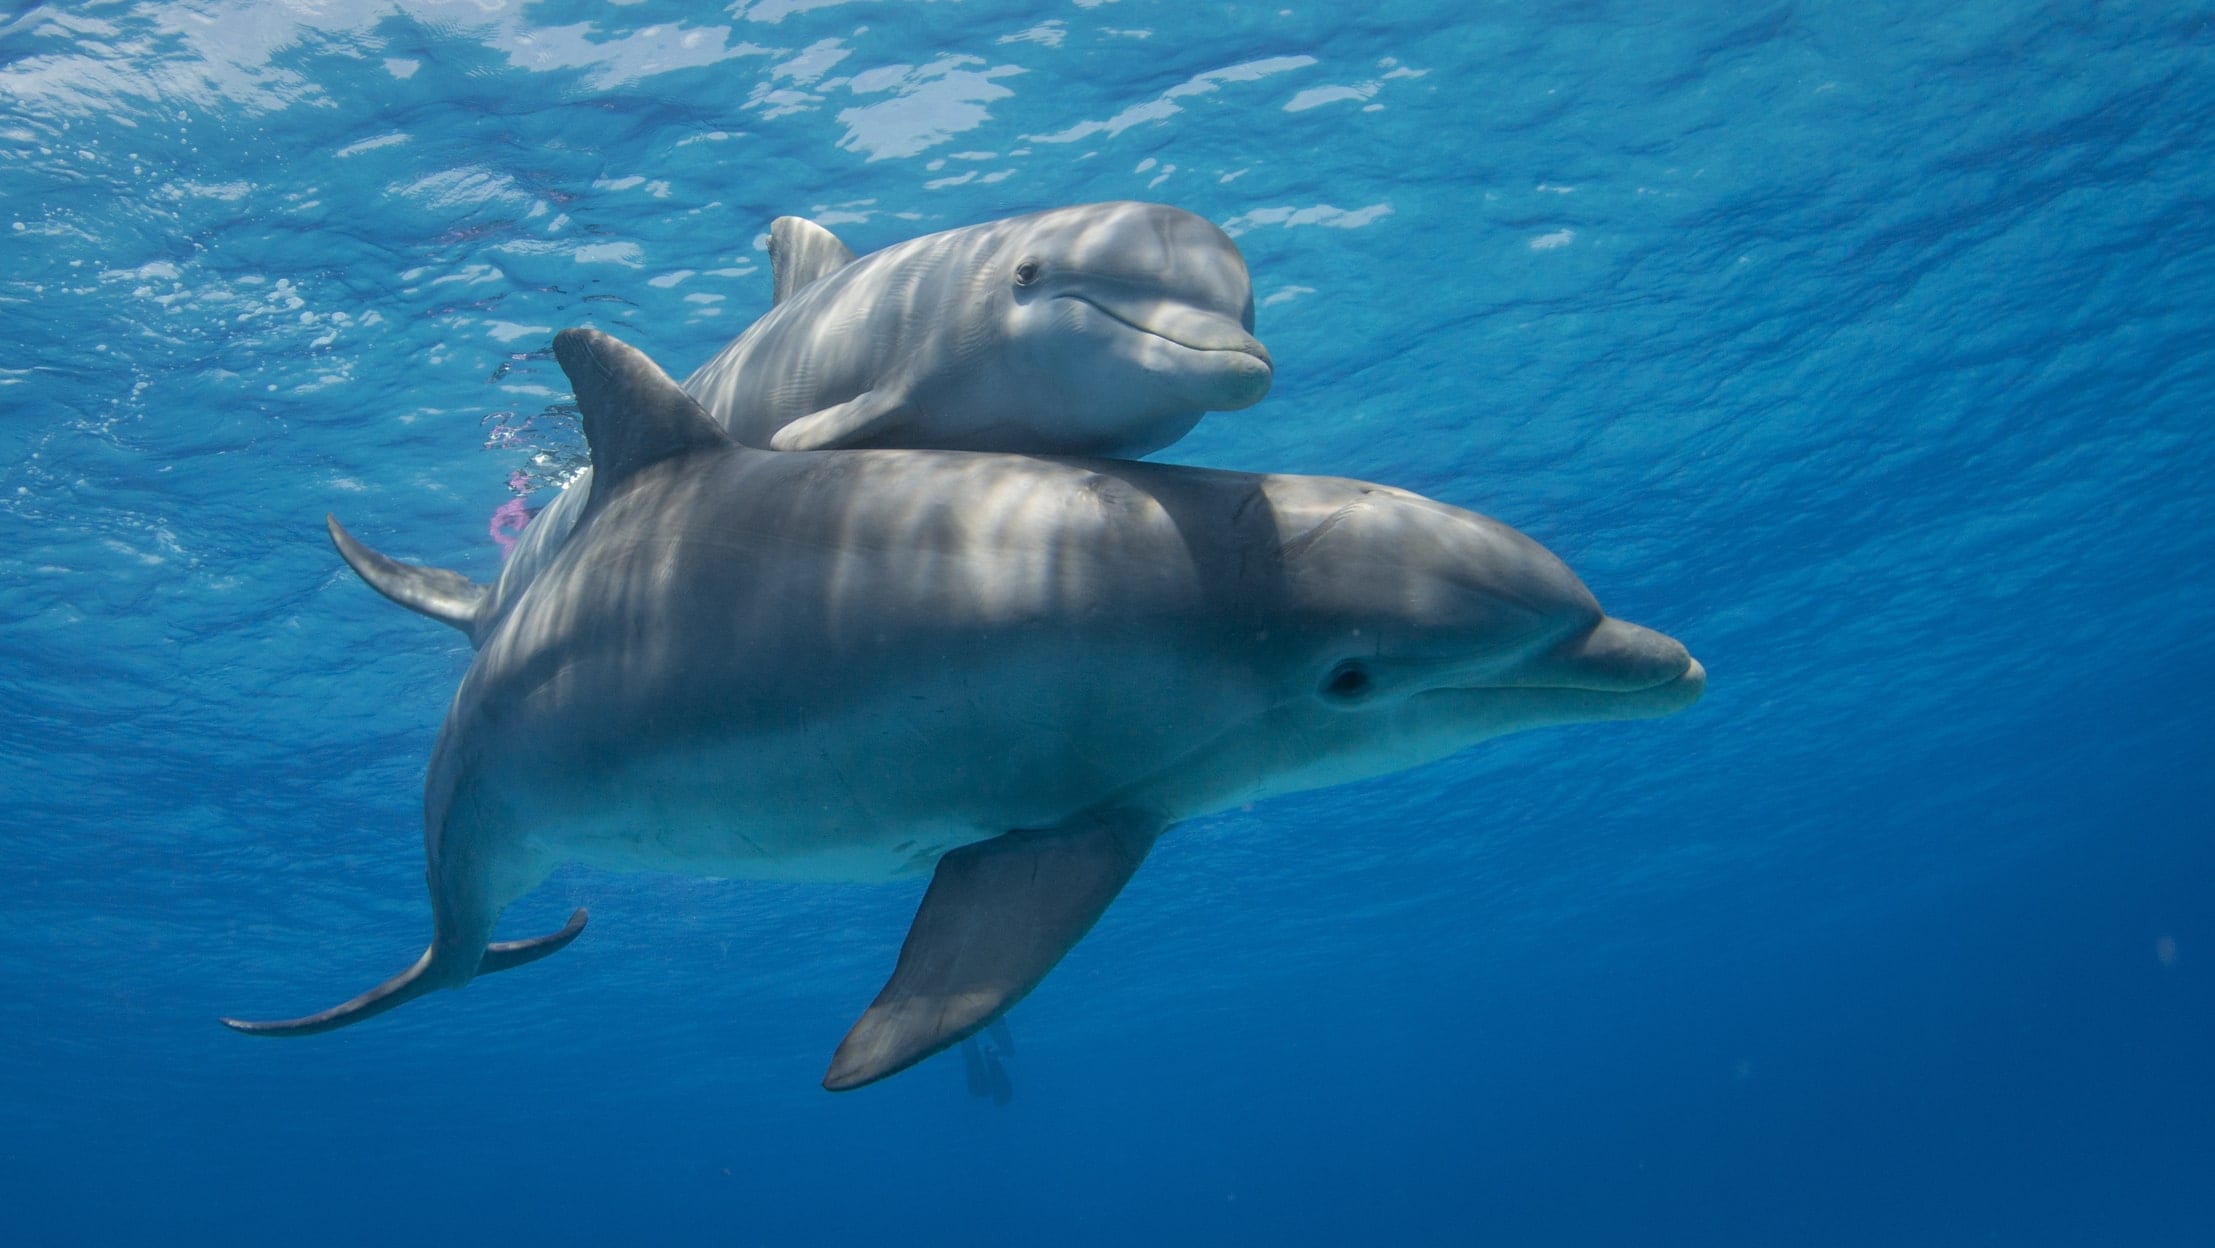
(1864, 347)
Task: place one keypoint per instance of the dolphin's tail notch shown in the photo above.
(413, 982)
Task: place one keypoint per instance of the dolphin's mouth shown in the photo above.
(1583, 702)
(1194, 329)
(1667, 693)
(1658, 695)
(1611, 670)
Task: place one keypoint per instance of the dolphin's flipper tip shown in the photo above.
(842, 426)
(998, 915)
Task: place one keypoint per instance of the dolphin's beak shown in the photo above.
(1613, 656)
(1181, 323)
(1615, 670)
(1236, 370)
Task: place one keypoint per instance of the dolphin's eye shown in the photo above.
(1347, 681)
(1026, 272)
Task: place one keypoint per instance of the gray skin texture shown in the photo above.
(1097, 329)
(1136, 320)
(859, 665)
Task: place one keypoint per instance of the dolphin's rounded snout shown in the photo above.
(1236, 367)
(1617, 656)
(1247, 372)
(1232, 367)
(1694, 681)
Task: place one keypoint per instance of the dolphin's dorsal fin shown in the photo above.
(634, 415)
(997, 916)
(448, 597)
(801, 251)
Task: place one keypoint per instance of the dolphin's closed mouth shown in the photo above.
(1674, 694)
(1193, 328)
(1665, 696)
(1583, 702)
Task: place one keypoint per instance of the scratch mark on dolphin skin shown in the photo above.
(1298, 545)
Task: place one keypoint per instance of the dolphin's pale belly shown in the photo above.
(879, 790)
(718, 843)
(750, 810)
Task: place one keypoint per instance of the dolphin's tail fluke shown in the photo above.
(506, 955)
(414, 982)
(448, 597)
(399, 990)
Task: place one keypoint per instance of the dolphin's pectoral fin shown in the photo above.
(984, 1059)
(853, 423)
(986, 1073)
(800, 251)
(414, 982)
(976, 1068)
(448, 597)
(997, 916)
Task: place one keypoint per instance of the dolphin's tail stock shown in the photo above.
(413, 982)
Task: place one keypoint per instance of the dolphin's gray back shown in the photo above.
(850, 331)
(814, 611)
(763, 380)
(940, 540)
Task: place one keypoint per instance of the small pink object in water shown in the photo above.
(511, 517)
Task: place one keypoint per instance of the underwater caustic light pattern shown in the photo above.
(1861, 349)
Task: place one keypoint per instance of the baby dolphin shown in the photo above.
(1012, 672)
(1098, 329)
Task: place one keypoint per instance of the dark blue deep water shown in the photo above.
(1866, 347)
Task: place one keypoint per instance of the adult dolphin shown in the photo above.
(1098, 329)
(1012, 671)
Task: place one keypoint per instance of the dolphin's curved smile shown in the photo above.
(1570, 699)
(1686, 683)
(1181, 324)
